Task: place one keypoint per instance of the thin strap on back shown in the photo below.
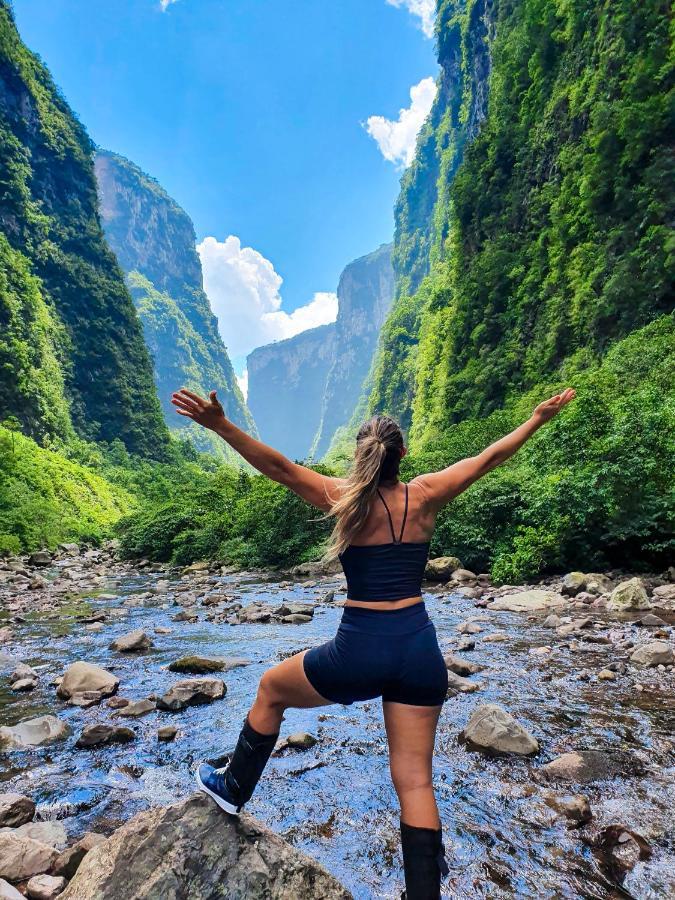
(391, 523)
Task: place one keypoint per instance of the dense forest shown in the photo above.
(532, 251)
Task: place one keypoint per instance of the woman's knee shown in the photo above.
(408, 777)
(268, 691)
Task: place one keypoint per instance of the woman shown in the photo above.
(386, 645)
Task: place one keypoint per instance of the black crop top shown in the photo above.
(379, 572)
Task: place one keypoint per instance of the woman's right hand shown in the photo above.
(550, 408)
(208, 413)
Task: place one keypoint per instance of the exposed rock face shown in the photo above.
(526, 601)
(192, 850)
(303, 389)
(492, 728)
(33, 733)
(154, 241)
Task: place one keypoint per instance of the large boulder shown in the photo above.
(22, 857)
(133, 642)
(528, 601)
(572, 583)
(69, 860)
(440, 568)
(82, 676)
(657, 653)
(33, 733)
(40, 558)
(15, 810)
(192, 850)
(492, 728)
(192, 692)
(629, 595)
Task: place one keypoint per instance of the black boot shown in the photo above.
(233, 786)
(423, 862)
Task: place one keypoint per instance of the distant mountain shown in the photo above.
(154, 241)
(303, 389)
(72, 355)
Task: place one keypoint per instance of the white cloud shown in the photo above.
(165, 4)
(425, 10)
(244, 290)
(397, 138)
(242, 381)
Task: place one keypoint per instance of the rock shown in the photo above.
(465, 645)
(7, 892)
(69, 861)
(190, 849)
(186, 615)
(657, 653)
(296, 619)
(132, 642)
(590, 765)
(85, 699)
(22, 857)
(527, 601)
(161, 629)
(597, 583)
(606, 675)
(459, 685)
(117, 702)
(53, 834)
(629, 595)
(495, 637)
(102, 733)
(23, 685)
(23, 672)
(300, 740)
(196, 665)
(461, 666)
(552, 621)
(33, 733)
(469, 628)
(651, 621)
(663, 596)
(620, 849)
(167, 733)
(139, 708)
(6, 634)
(40, 558)
(572, 583)
(195, 567)
(45, 887)
(192, 692)
(440, 568)
(15, 810)
(577, 808)
(492, 728)
(83, 676)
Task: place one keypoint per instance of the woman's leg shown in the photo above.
(280, 688)
(411, 732)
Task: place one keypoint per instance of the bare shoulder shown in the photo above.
(441, 487)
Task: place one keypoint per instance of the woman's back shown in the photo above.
(387, 513)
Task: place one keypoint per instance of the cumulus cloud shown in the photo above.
(425, 10)
(397, 138)
(242, 381)
(244, 290)
(165, 4)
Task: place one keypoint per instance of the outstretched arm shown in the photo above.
(313, 487)
(441, 487)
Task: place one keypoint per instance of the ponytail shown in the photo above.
(378, 453)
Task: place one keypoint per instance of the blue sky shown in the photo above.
(255, 116)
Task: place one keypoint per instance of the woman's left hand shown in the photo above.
(208, 413)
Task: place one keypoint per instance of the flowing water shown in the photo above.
(335, 801)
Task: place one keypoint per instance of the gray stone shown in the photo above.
(552, 621)
(440, 568)
(192, 692)
(69, 860)
(460, 574)
(133, 642)
(22, 857)
(167, 733)
(45, 887)
(15, 810)
(629, 595)
(572, 583)
(7, 892)
(139, 708)
(657, 653)
(461, 666)
(33, 733)
(192, 850)
(590, 765)
(296, 619)
(469, 628)
(102, 733)
(492, 728)
(528, 601)
(459, 685)
(40, 558)
(576, 808)
(82, 676)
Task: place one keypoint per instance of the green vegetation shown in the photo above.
(71, 346)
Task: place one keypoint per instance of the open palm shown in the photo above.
(208, 413)
(550, 408)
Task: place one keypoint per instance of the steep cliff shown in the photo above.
(286, 381)
(302, 390)
(154, 241)
(71, 345)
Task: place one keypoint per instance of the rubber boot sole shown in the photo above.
(223, 804)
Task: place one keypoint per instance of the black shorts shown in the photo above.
(393, 654)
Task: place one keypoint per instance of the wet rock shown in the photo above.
(651, 621)
(161, 629)
(296, 619)
(167, 733)
(23, 685)
(459, 685)
(663, 596)
(196, 567)
(492, 728)
(528, 601)
(40, 558)
(469, 628)
(328, 597)
(83, 676)
(15, 810)
(33, 733)
(573, 583)
(606, 675)
(496, 637)
(186, 615)
(465, 645)
(191, 849)
(591, 765)
(440, 568)
(657, 653)
(23, 672)
(85, 699)
(299, 740)
(621, 849)
(192, 692)
(45, 887)
(22, 857)
(202, 665)
(102, 733)
(132, 642)
(6, 634)
(117, 702)
(577, 808)
(139, 708)
(597, 583)
(552, 621)
(629, 595)
(69, 860)
(461, 666)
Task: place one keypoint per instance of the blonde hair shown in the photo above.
(379, 446)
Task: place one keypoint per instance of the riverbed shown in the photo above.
(335, 800)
